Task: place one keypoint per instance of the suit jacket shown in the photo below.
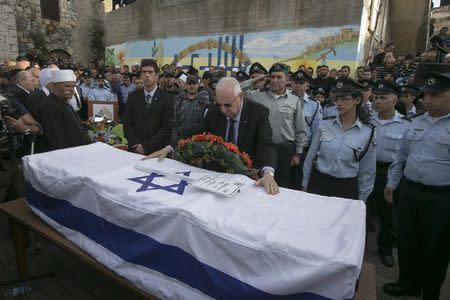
(19, 94)
(150, 127)
(60, 124)
(34, 100)
(254, 134)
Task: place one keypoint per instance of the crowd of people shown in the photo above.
(380, 135)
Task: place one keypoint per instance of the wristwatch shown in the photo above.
(27, 131)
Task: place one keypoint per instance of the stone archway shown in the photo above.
(60, 55)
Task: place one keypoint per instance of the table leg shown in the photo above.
(20, 235)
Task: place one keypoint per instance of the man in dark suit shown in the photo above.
(148, 113)
(61, 126)
(244, 123)
(21, 84)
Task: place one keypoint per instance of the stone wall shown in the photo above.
(80, 34)
(440, 17)
(408, 24)
(22, 19)
(8, 33)
(149, 19)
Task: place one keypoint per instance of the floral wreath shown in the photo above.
(211, 152)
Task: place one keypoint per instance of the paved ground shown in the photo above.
(76, 280)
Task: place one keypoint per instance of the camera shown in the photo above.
(5, 109)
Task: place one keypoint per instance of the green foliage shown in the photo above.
(110, 57)
(97, 36)
(212, 153)
(39, 42)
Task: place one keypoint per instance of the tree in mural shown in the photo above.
(110, 57)
(154, 50)
(97, 36)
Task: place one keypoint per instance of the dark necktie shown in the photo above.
(230, 138)
(148, 100)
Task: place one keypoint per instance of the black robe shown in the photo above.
(61, 126)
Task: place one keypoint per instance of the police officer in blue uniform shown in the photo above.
(300, 83)
(408, 98)
(329, 109)
(319, 95)
(391, 128)
(367, 95)
(424, 188)
(101, 92)
(341, 159)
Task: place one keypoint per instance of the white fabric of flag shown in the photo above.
(177, 241)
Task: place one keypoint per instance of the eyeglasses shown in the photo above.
(228, 105)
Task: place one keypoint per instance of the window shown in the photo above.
(50, 9)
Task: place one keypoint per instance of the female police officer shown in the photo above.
(341, 160)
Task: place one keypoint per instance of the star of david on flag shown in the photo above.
(147, 183)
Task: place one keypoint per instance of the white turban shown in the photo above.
(45, 77)
(63, 76)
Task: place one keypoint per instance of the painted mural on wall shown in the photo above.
(333, 46)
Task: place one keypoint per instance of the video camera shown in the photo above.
(5, 107)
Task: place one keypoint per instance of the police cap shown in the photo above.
(320, 91)
(168, 73)
(347, 87)
(192, 78)
(366, 83)
(301, 76)
(241, 76)
(385, 87)
(257, 68)
(279, 67)
(408, 89)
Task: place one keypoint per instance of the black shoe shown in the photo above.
(394, 289)
(387, 259)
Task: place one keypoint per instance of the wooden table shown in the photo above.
(23, 220)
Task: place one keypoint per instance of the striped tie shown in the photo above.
(148, 100)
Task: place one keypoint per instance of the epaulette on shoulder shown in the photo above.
(329, 118)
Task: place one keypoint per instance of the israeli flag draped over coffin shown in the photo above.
(177, 241)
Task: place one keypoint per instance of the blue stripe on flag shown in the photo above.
(142, 250)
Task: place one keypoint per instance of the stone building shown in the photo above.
(440, 17)
(52, 28)
(41, 26)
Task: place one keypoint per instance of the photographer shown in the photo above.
(15, 121)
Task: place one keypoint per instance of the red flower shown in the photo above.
(247, 160)
(232, 147)
(182, 143)
(183, 153)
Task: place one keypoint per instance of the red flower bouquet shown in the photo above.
(211, 152)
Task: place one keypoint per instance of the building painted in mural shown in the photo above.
(237, 33)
